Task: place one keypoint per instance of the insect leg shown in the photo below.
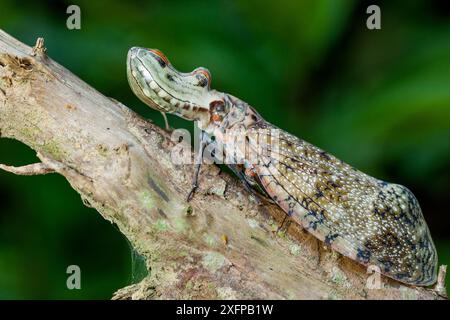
(247, 184)
(166, 122)
(252, 185)
(198, 164)
(282, 224)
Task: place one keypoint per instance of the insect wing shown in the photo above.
(366, 219)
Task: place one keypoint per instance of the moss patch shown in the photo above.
(53, 149)
(209, 240)
(295, 249)
(146, 199)
(180, 224)
(213, 261)
(338, 277)
(161, 225)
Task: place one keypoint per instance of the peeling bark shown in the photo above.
(221, 244)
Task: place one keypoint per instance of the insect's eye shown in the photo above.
(203, 76)
(217, 106)
(160, 57)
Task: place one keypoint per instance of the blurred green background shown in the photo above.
(379, 100)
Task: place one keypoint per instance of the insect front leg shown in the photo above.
(198, 163)
(166, 122)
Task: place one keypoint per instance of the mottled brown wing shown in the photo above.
(366, 219)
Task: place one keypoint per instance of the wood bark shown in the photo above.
(221, 244)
